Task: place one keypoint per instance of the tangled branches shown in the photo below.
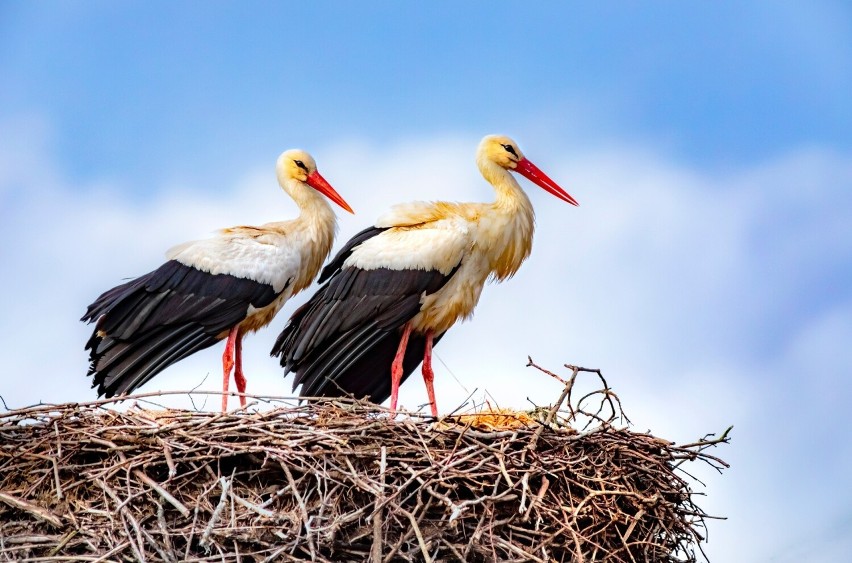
(344, 480)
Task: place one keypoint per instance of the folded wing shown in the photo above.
(151, 322)
(343, 340)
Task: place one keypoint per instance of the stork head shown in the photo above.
(298, 165)
(504, 152)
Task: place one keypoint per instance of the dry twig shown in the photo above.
(342, 480)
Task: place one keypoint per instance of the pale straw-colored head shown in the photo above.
(505, 153)
(297, 165)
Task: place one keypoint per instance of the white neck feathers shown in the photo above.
(318, 223)
(513, 218)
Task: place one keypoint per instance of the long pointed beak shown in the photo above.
(531, 172)
(317, 182)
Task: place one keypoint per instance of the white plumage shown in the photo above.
(269, 257)
(211, 289)
(439, 247)
(396, 288)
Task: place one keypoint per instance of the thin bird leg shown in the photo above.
(239, 378)
(228, 365)
(396, 367)
(429, 375)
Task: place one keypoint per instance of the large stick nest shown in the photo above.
(345, 481)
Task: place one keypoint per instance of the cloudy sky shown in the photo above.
(708, 271)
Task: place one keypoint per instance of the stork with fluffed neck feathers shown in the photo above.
(395, 288)
(213, 289)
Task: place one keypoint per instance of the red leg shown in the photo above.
(239, 378)
(228, 365)
(429, 375)
(396, 367)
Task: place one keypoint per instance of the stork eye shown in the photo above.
(301, 165)
(510, 149)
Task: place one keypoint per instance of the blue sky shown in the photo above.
(126, 84)
(708, 271)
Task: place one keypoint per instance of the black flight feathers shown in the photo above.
(343, 340)
(151, 322)
(337, 262)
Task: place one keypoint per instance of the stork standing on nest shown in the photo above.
(213, 289)
(395, 289)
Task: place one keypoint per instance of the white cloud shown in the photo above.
(690, 289)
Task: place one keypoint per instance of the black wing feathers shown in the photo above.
(344, 339)
(337, 262)
(151, 322)
(376, 365)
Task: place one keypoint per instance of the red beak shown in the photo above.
(317, 182)
(531, 172)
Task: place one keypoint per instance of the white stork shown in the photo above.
(394, 289)
(212, 289)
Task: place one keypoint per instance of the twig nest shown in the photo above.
(327, 483)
